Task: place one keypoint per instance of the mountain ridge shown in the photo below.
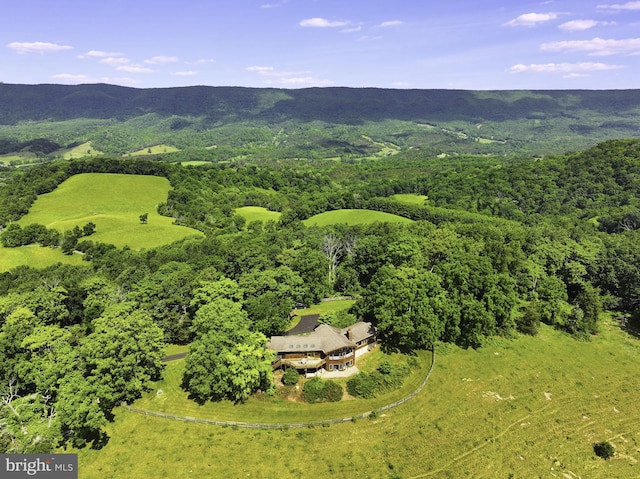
(319, 122)
(63, 102)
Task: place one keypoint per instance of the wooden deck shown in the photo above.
(302, 363)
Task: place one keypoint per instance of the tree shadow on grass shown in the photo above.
(630, 325)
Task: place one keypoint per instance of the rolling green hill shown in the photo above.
(353, 217)
(315, 122)
(114, 203)
(35, 257)
(529, 407)
(257, 213)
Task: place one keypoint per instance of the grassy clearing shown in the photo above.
(353, 217)
(323, 307)
(34, 256)
(529, 407)
(266, 409)
(154, 150)
(195, 163)
(257, 213)
(410, 199)
(81, 151)
(114, 203)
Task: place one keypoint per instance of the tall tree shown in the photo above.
(407, 306)
(226, 360)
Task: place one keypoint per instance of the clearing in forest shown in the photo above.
(353, 217)
(257, 213)
(114, 202)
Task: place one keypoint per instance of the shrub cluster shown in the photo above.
(14, 235)
(604, 449)
(317, 390)
(290, 377)
(386, 378)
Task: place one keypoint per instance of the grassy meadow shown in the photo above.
(527, 407)
(257, 213)
(154, 150)
(80, 151)
(34, 256)
(326, 306)
(410, 199)
(353, 217)
(114, 203)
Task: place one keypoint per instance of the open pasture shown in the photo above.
(154, 150)
(353, 217)
(114, 203)
(528, 407)
(35, 257)
(257, 213)
(82, 150)
(410, 199)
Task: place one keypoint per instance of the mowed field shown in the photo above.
(257, 213)
(526, 407)
(154, 150)
(353, 217)
(85, 149)
(114, 203)
(410, 199)
(34, 256)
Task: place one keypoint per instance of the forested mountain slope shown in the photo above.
(496, 247)
(327, 121)
(339, 105)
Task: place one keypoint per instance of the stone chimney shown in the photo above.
(349, 334)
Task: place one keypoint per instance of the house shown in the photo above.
(327, 347)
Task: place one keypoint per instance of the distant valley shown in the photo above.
(226, 123)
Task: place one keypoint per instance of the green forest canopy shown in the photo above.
(498, 247)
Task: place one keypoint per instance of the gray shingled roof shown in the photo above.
(324, 338)
(359, 331)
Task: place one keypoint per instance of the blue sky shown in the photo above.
(466, 44)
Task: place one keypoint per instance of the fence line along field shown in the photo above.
(114, 202)
(524, 407)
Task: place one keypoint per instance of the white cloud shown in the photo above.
(621, 6)
(115, 61)
(390, 23)
(160, 60)
(189, 73)
(578, 25)
(37, 47)
(351, 29)
(274, 5)
(532, 19)
(259, 69)
(274, 77)
(576, 75)
(71, 78)
(99, 54)
(596, 46)
(562, 67)
(201, 61)
(323, 23)
(134, 69)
